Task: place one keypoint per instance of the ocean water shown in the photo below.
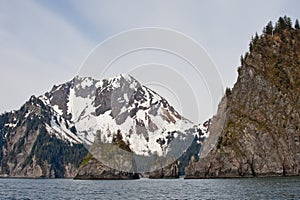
(251, 188)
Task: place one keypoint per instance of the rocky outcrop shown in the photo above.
(108, 161)
(171, 171)
(93, 169)
(261, 115)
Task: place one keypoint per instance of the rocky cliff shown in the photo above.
(256, 131)
(93, 169)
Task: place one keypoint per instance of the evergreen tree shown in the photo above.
(283, 23)
(119, 142)
(242, 60)
(251, 46)
(288, 22)
(117, 137)
(280, 25)
(256, 37)
(297, 26)
(269, 28)
(228, 91)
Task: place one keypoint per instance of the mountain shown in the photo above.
(32, 146)
(120, 103)
(256, 129)
(51, 134)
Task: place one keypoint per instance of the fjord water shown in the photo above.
(251, 188)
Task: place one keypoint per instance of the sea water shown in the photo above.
(246, 188)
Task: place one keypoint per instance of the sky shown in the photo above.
(45, 42)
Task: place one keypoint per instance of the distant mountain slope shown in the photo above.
(29, 147)
(261, 136)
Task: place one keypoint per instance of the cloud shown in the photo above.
(44, 42)
(224, 28)
(37, 49)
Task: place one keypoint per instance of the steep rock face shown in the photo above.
(261, 133)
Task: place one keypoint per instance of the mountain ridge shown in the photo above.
(71, 114)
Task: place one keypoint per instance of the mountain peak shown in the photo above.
(117, 104)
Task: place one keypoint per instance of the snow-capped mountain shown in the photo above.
(85, 107)
(50, 134)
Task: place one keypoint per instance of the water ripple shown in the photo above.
(254, 188)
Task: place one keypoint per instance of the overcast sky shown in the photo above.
(43, 43)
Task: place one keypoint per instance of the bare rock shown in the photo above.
(95, 170)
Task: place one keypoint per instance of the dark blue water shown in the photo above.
(254, 188)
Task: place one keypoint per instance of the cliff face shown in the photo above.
(261, 132)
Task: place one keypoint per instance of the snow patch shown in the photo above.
(57, 110)
(27, 114)
(62, 132)
(87, 82)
